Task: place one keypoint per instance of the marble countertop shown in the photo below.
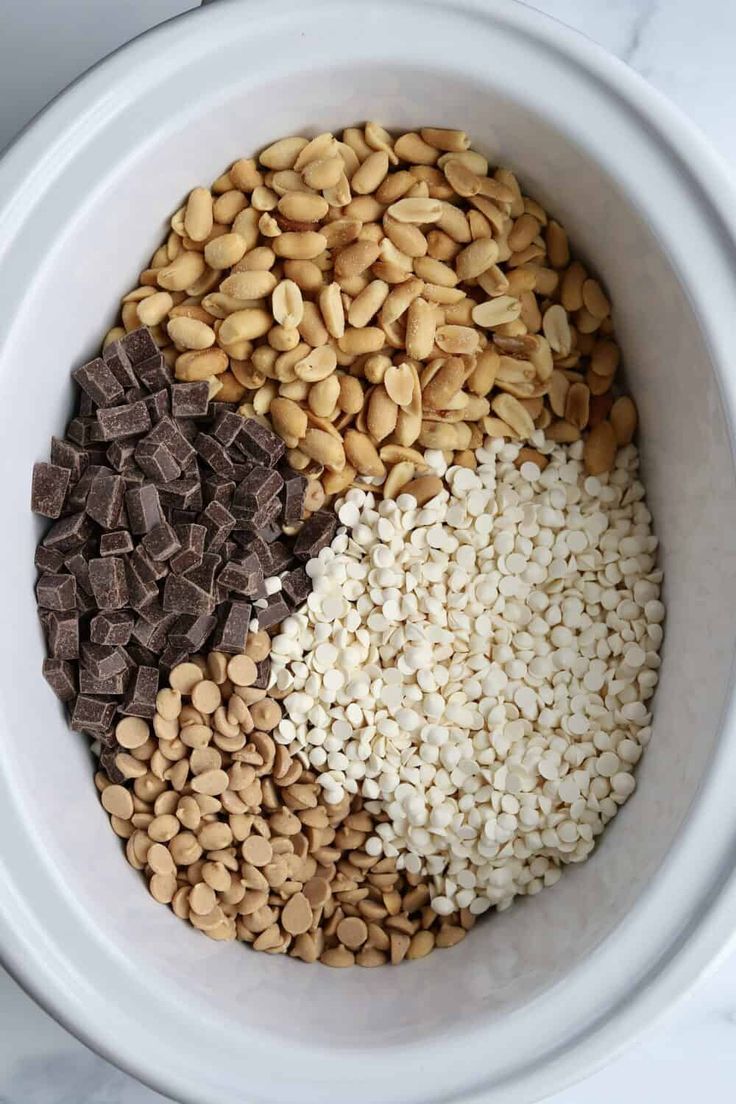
(686, 51)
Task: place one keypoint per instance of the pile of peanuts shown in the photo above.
(372, 296)
(233, 834)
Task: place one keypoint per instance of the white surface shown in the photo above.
(694, 1065)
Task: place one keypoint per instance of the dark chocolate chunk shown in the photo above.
(158, 405)
(172, 655)
(108, 582)
(139, 345)
(296, 586)
(244, 535)
(120, 454)
(68, 455)
(48, 489)
(79, 430)
(184, 493)
(141, 655)
(129, 420)
(140, 698)
(218, 489)
(227, 426)
(113, 686)
(162, 542)
(242, 467)
(118, 360)
(104, 661)
(191, 468)
(203, 575)
(315, 534)
(258, 548)
(260, 443)
(136, 394)
(142, 586)
(116, 543)
(111, 628)
(97, 380)
(63, 635)
(95, 432)
(78, 495)
(190, 633)
(154, 613)
(266, 517)
(263, 669)
(92, 714)
(96, 454)
(149, 569)
(144, 508)
(57, 592)
(219, 523)
(154, 373)
(190, 400)
(188, 428)
(245, 577)
(182, 517)
(108, 741)
(108, 757)
(213, 453)
(169, 432)
(48, 559)
(133, 476)
(259, 487)
(280, 557)
(192, 538)
(276, 610)
(78, 565)
(233, 621)
(61, 677)
(105, 498)
(153, 631)
(295, 491)
(85, 602)
(181, 595)
(157, 462)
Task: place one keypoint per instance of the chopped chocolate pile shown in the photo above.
(168, 513)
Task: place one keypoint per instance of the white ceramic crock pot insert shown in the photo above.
(537, 994)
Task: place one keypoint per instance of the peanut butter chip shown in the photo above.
(337, 956)
(184, 677)
(352, 932)
(202, 899)
(297, 915)
(266, 714)
(258, 646)
(117, 801)
(210, 782)
(159, 859)
(242, 670)
(317, 891)
(131, 732)
(257, 850)
(206, 696)
(163, 888)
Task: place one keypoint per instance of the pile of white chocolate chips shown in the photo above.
(457, 710)
(478, 667)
